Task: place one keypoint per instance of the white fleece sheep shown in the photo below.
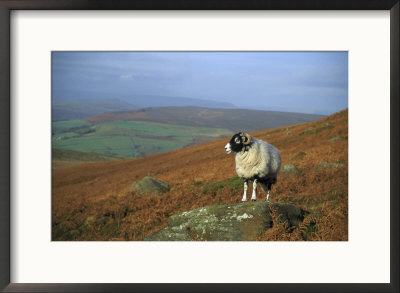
(256, 161)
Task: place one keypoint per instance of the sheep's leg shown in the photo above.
(268, 191)
(254, 194)
(244, 191)
(267, 200)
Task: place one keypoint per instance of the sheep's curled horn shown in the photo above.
(247, 136)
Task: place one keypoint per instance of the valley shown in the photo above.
(148, 131)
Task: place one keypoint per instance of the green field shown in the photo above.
(129, 138)
(62, 126)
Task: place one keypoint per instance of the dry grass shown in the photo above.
(91, 202)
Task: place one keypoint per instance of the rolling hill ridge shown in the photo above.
(232, 119)
(77, 109)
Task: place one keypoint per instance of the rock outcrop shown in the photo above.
(149, 185)
(237, 222)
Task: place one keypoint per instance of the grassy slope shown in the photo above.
(91, 202)
(233, 119)
(129, 138)
(68, 155)
(67, 158)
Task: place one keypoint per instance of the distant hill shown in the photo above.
(141, 101)
(145, 101)
(77, 109)
(232, 119)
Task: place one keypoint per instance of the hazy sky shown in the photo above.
(309, 82)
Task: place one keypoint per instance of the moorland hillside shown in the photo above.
(93, 202)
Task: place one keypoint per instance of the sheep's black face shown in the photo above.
(237, 143)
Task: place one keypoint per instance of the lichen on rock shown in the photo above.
(238, 222)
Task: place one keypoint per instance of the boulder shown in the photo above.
(308, 131)
(289, 170)
(337, 138)
(299, 155)
(328, 165)
(238, 222)
(149, 185)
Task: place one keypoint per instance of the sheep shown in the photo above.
(256, 161)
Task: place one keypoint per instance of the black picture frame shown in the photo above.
(7, 6)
